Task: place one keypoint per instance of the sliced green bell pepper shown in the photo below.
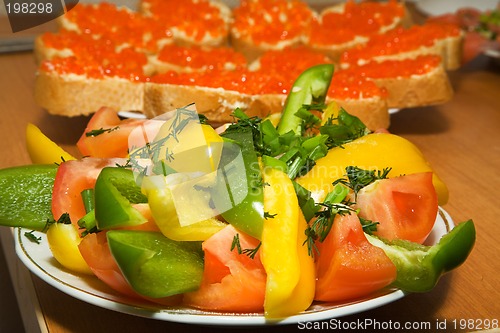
(115, 192)
(311, 86)
(241, 181)
(26, 196)
(154, 265)
(419, 267)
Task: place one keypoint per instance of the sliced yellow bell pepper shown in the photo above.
(43, 150)
(164, 213)
(194, 150)
(370, 152)
(331, 112)
(196, 142)
(63, 242)
(290, 270)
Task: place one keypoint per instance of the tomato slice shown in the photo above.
(348, 266)
(405, 207)
(231, 281)
(72, 178)
(111, 134)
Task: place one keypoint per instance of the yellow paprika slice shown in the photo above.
(43, 150)
(184, 164)
(290, 270)
(163, 209)
(196, 142)
(63, 242)
(371, 152)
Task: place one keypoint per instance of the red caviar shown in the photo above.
(243, 81)
(275, 75)
(347, 85)
(119, 25)
(202, 58)
(113, 42)
(291, 59)
(398, 68)
(400, 40)
(271, 21)
(357, 19)
(65, 39)
(126, 64)
(324, 35)
(194, 18)
(81, 45)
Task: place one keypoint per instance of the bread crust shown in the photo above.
(215, 103)
(218, 104)
(373, 112)
(452, 51)
(75, 95)
(431, 88)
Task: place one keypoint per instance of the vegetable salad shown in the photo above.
(259, 216)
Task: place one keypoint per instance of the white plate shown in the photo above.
(39, 260)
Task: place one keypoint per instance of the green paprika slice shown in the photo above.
(311, 86)
(115, 192)
(241, 179)
(26, 196)
(419, 267)
(154, 265)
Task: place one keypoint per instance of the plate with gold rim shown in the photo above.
(38, 258)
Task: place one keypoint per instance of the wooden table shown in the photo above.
(460, 138)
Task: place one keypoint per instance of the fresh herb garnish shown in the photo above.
(237, 245)
(335, 203)
(310, 120)
(156, 151)
(358, 178)
(368, 226)
(268, 215)
(64, 219)
(100, 131)
(300, 151)
(343, 129)
(32, 237)
(322, 224)
(88, 224)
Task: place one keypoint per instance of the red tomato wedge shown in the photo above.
(231, 281)
(405, 207)
(111, 134)
(348, 266)
(150, 224)
(72, 178)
